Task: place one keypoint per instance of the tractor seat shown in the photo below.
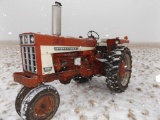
(103, 40)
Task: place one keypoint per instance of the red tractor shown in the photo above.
(46, 58)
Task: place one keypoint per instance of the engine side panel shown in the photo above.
(54, 58)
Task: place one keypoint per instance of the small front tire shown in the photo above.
(21, 95)
(41, 103)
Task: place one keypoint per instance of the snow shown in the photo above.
(158, 78)
(9, 33)
(92, 100)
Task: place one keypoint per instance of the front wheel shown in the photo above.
(41, 103)
(21, 95)
(119, 70)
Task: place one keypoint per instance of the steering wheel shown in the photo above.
(90, 35)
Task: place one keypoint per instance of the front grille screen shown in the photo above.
(29, 58)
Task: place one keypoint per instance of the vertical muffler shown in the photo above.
(56, 18)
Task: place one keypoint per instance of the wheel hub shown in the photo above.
(125, 70)
(43, 106)
(122, 69)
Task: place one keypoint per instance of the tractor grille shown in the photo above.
(29, 59)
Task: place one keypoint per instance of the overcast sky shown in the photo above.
(138, 19)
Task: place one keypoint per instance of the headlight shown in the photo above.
(117, 42)
(26, 39)
(31, 39)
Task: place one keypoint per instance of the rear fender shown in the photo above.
(112, 43)
(116, 41)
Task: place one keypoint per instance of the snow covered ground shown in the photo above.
(92, 100)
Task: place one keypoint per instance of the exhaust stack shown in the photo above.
(56, 19)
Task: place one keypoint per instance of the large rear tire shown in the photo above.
(41, 103)
(119, 69)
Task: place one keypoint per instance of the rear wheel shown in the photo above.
(119, 69)
(41, 103)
